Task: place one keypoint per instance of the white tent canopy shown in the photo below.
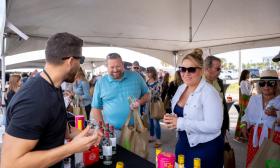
(89, 64)
(152, 27)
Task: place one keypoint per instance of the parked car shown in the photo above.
(228, 75)
(255, 73)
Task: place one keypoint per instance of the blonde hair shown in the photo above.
(195, 56)
(13, 82)
(80, 74)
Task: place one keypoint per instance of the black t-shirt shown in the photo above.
(37, 112)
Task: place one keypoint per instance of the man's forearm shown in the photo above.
(144, 99)
(97, 115)
(44, 158)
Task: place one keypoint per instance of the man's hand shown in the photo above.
(83, 142)
(135, 104)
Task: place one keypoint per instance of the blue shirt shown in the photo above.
(111, 95)
(81, 88)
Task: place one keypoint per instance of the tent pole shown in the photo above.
(175, 53)
(190, 27)
(239, 62)
(3, 41)
(3, 69)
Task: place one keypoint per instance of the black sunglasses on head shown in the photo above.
(81, 58)
(269, 83)
(189, 69)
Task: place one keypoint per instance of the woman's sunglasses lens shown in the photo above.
(190, 69)
(271, 83)
(262, 83)
(267, 83)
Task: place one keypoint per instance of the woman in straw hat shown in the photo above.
(260, 113)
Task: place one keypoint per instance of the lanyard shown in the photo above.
(56, 90)
(50, 79)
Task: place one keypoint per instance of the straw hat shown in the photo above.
(269, 75)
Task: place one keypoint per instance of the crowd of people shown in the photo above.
(194, 105)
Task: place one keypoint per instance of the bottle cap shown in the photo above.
(196, 162)
(181, 159)
(158, 150)
(119, 165)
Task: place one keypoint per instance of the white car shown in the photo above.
(229, 74)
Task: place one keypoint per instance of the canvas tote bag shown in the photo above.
(268, 155)
(135, 137)
(157, 110)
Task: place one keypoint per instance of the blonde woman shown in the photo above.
(14, 85)
(81, 88)
(199, 116)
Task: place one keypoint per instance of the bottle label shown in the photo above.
(114, 141)
(107, 150)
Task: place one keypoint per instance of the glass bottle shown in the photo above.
(158, 150)
(107, 150)
(100, 145)
(113, 138)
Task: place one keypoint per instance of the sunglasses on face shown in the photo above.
(189, 69)
(136, 68)
(267, 83)
(218, 69)
(81, 58)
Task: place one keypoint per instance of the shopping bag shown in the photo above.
(229, 157)
(145, 120)
(127, 133)
(135, 138)
(268, 154)
(157, 110)
(140, 137)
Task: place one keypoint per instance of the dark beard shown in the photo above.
(70, 78)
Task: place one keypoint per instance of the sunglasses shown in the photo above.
(267, 83)
(218, 69)
(81, 58)
(136, 68)
(189, 69)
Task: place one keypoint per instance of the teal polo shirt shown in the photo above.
(111, 96)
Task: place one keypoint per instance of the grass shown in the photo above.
(233, 88)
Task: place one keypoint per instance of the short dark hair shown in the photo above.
(208, 62)
(113, 56)
(62, 45)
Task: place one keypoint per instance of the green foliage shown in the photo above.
(233, 88)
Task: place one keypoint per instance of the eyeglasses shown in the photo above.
(269, 83)
(136, 68)
(81, 58)
(218, 69)
(189, 69)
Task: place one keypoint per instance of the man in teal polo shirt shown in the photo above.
(110, 100)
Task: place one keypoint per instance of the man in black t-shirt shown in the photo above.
(36, 116)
